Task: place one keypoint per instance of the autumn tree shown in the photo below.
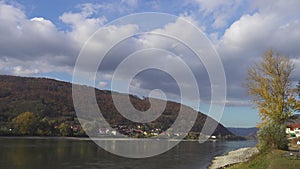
(26, 123)
(269, 83)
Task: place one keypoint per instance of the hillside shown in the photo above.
(249, 133)
(51, 100)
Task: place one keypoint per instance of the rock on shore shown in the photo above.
(233, 157)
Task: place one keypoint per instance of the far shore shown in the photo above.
(45, 137)
(90, 139)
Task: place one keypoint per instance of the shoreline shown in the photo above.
(95, 139)
(233, 157)
(45, 137)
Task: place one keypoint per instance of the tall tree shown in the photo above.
(270, 85)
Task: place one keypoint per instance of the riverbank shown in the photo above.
(274, 159)
(233, 157)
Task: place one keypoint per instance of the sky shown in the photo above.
(44, 39)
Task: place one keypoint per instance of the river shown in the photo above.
(37, 153)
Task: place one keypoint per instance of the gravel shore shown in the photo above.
(233, 157)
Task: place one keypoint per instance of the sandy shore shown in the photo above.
(233, 157)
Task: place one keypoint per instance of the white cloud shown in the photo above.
(154, 79)
(233, 102)
(130, 3)
(83, 24)
(296, 75)
(252, 35)
(37, 41)
(102, 84)
(20, 71)
(36, 45)
(244, 35)
(33, 38)
(219, 11)
(11, 13)
(212, 5)
(155, 4)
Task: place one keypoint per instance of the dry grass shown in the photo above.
(276, 159)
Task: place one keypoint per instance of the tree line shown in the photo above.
(30, 124)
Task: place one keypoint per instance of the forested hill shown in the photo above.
(51, 101)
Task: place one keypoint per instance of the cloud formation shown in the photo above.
(35, 40)
(275, 25)
(243, 31)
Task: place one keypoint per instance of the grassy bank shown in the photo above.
(276, 159)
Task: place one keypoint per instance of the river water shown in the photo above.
(37, 153)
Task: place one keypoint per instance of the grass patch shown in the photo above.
(275, 159)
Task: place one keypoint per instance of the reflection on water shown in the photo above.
(137, 148)
(19, 153)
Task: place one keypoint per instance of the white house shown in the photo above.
(114, 132)
(293, 129)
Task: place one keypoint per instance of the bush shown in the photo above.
(272, 136)
(65, 129)
(4, 131)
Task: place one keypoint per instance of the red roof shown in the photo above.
(292, 126)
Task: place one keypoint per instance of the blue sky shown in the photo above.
(44, 38)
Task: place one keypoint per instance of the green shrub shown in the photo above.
(272, 136)
(65, 129)
(4, 131)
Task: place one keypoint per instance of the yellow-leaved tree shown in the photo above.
(270, 85)
(26, 123)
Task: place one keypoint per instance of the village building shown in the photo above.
(293, 130)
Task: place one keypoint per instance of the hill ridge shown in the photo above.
(52, 99)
